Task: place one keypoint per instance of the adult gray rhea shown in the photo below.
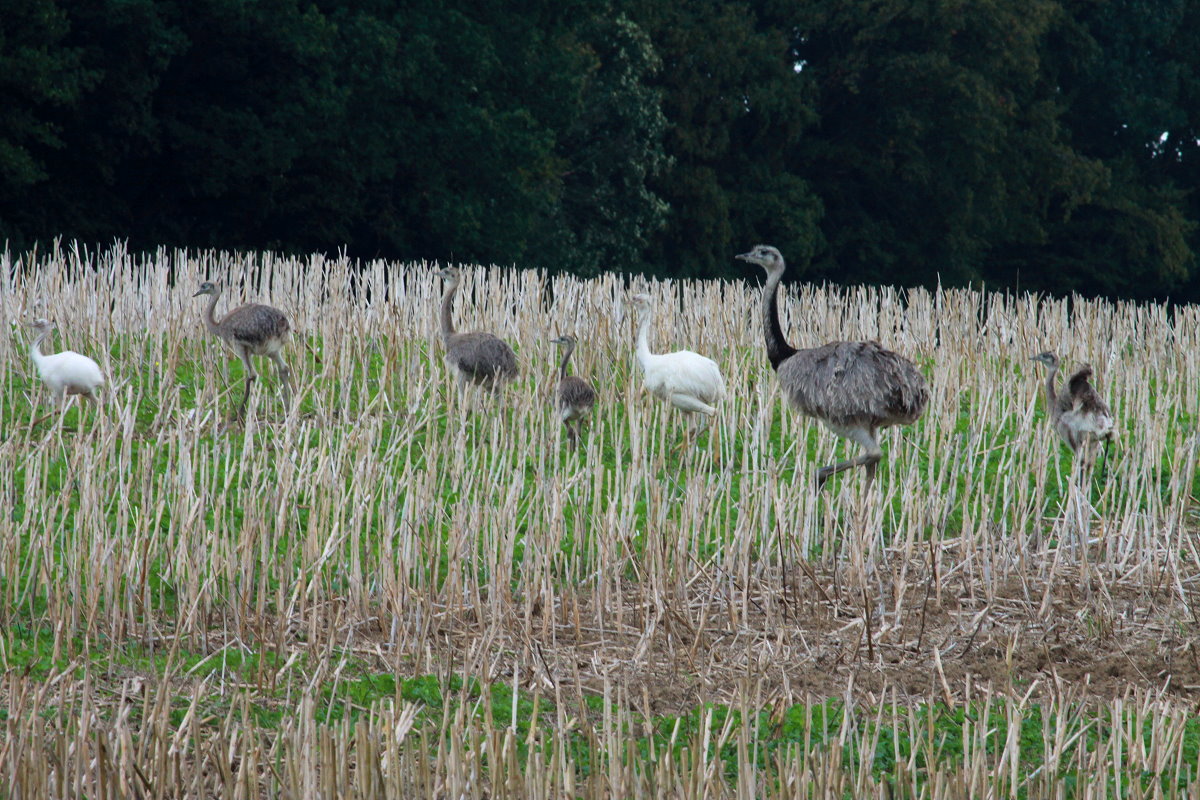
(855, 388)
(1079, 414)
(576, 397)
(250, 330)
(477, 357)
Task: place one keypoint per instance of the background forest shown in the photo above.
(1041, 144)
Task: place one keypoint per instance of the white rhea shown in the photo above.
(250, 330)
(686, 380)
(64, 373)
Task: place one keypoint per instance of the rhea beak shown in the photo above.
(198, 293)
(743, 257)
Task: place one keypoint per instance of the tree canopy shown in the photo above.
(1040, 144)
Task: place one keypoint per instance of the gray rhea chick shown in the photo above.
(576, 397)
(1079, 414)
(855, 388)
(250, 330)
(477, 357)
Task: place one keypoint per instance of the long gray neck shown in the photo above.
(562, 369)
(210, 310)
(447, 306)
(778, 350)
(1051, 394)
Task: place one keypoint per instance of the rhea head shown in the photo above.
(765, 256)
(1047, 358)
(566, 340)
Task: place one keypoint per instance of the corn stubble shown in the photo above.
(396, 525)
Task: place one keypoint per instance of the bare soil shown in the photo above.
(1099, 638)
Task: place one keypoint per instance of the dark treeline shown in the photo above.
(1045, 144)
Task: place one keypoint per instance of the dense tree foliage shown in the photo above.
(1045, 144)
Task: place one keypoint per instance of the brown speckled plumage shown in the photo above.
(575, 396)
(250, 330)
(1079, 414)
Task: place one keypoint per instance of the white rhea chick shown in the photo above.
(64, 373)
(686, 380)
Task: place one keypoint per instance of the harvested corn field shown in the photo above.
(401, 586)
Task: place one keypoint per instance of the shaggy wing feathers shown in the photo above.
(254, 325)
(854, 383)
(1091, 414)
(482, 357)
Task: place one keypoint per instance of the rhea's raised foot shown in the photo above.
(820, 476)
(866, 462)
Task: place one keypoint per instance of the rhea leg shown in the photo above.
(1104, 460)
(868, 460)
(250, 376)
(285, 376)
(685, 402)
(58, 404)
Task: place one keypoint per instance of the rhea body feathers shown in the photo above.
(855, 388)
(575, 397)
(847, 384)
(249, 330)
(1079, 414)
(686, 380)
(64, 373)
(479, 358)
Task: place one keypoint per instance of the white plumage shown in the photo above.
(67, 372)
(686, 380)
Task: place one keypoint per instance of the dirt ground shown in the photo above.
(1097, 638)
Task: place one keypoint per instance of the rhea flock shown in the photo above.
(1079, 414)
(65, 373)
(855, 388)
(478, 358)
(252, 329)
(686, 380)
(575, 396)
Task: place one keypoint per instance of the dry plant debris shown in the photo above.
(194, 605)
